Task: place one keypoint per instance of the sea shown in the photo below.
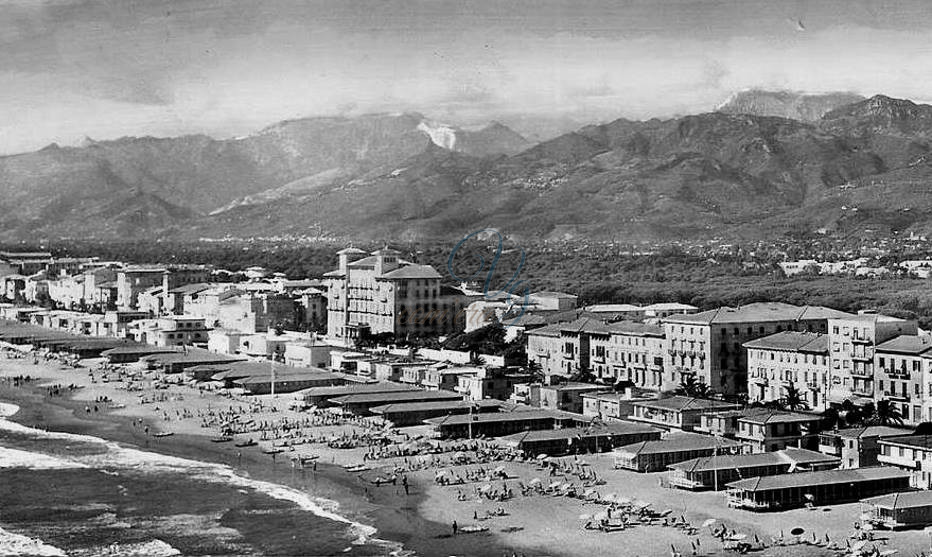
(82, 495)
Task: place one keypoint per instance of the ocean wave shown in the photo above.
(125, 458)
(151, 548)
(14, 458)
(16, 544)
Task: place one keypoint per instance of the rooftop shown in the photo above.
(903, 500)
(678, 442)
(765, 416)
(810, 343)
(613, 428)
(403, 407)
(399, 396)
(685, 403)
(917, 441)
(869, 431)
(906, 344)
(807, 479)
(761, 312)
(518, 415)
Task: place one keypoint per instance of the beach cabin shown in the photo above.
(362, 404)
(414, 413)
(827, 487)
(714, 472)
(321, 396)
(908, 509)
(658, 455)
(503, 423)
(594, 439)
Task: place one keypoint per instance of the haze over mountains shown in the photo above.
(763, 164)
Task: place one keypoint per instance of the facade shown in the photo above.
(498, 424)
(827, 487)
(169, 331)
(901, 375)
(628, 351)
(852, 343)
(658, 455)
(678, 412)
(611, 405)
(133, 279)
(714, 472)
(911, 509)
(768, 430)
(567, 396)
(857, 447)
(912, 453)
(710, 345)
(790, 358)
(414, 413)
(383, 294)
(596, 439)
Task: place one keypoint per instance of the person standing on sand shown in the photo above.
(455, 527)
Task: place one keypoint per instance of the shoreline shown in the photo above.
(394, 519)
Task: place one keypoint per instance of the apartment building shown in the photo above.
(133, 279)
(912, 453)
(710, 345)
(790, 358)
(628, 351)
(901, 371)
(852, 341)
(169, 331)
(381, 294)
(857, 447)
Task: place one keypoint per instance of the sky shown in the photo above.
(104, 69)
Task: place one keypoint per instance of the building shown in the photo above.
(851, 353)
(677, 412)
(415, 413)
(26, 263)
(790, 358)
(566, 396)
(908, 509)
(658, 455)
(912, 453)
(498, 424)
(321, 396)
(134, 279)
(857, 447)
(169, 331)
(710, 345)
(826, 487)
(901, 367)
(628, 351)
(496, 383)
(594, 439)
(771, 430)
(714, 472)
(611, 405)
(362, 403)
(385, 295)
(552, 301)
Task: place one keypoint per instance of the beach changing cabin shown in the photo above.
(595, 439)
(657, 455)
(714, 472)
(908, 509)
(827, 487)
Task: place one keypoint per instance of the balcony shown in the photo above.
(861, 373)
(867, 357)
(896, 396)
(897, 373)
(859, 340)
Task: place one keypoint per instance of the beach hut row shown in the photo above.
(577, 440)
(714, 472)
(678, 446)
(402, 414)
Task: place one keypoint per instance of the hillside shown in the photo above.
(861, 166)
(786, 104)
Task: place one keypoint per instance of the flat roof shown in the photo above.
(824, 477)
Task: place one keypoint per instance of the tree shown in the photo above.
(689, 386)
(886, 413)
(793, 400)
(536, 371)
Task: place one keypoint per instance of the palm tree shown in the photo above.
(536, 371)
(886, 413)
(793, 400)
(689, 386)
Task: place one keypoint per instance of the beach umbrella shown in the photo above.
(542, 457)
(737, 537)
(708, 522)
(798, 531)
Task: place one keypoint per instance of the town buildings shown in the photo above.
(857, 447)
(797, 359)
(678, 412)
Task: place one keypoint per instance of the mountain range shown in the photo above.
(762, 164)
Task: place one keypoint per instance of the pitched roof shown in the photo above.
(399, 396)
(870, 431)
(807, 479)
(402, 407)
(918, 441)
(678, 442)
(906, 344)
(412, 271)
(685, 403)
(613, 428)
(766, 416)
(902, 500)
(760, 312)
(796, 341)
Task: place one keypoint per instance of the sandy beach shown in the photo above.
(530, 522)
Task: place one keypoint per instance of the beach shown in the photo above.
(71, 424)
